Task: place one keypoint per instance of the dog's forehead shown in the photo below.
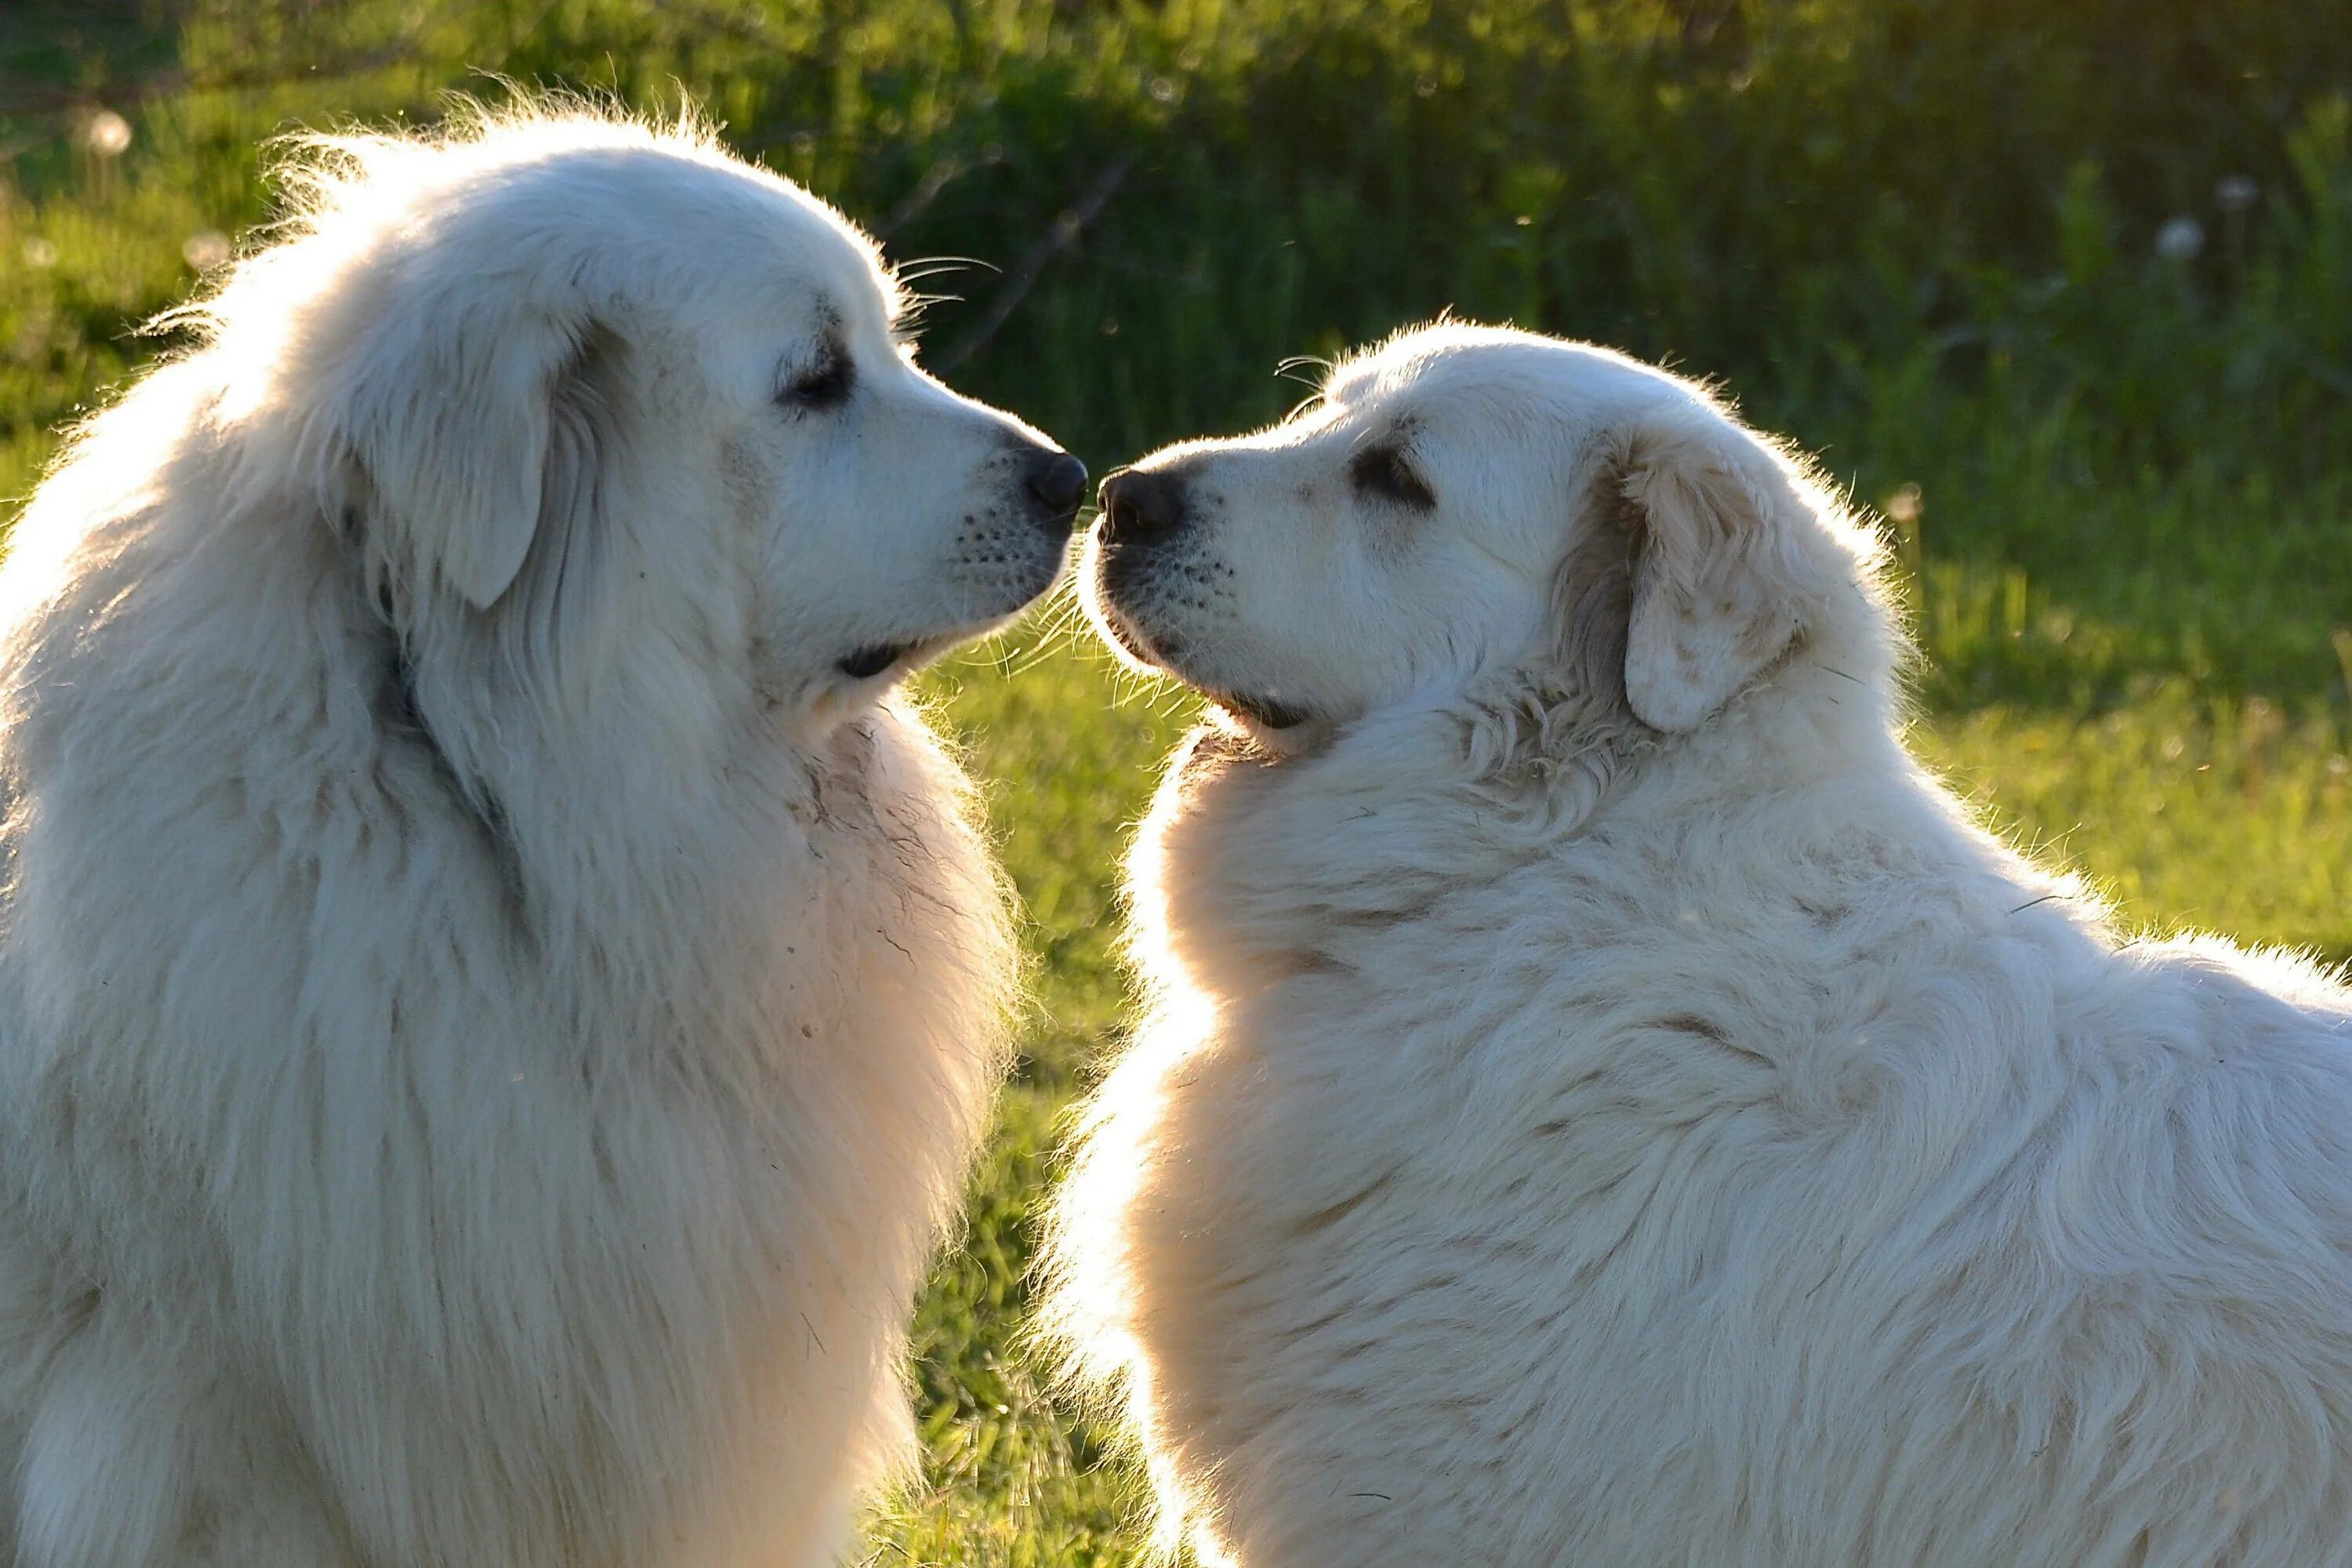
(739, 237)
(1434, 398)
(818, 251)
(1494, 375)
(800, 256)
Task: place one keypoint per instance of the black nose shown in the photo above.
(1138, 505)
(1058, 481)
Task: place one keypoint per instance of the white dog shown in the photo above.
(1602, 1103)
(495, 998)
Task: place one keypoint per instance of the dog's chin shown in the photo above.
(894, 659)
(1130, 642)
(1278, 728)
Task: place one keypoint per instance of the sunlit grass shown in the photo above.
(2192, 812)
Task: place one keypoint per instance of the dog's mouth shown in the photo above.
(873, 659)
(1262, 711)
(882, 657)
(1164, 651)
(877, 658)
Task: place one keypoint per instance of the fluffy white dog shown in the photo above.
(1603, 1103)
(494, 997)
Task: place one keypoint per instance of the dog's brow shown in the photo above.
(1398, 430)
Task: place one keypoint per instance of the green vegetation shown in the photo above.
(2064, 287)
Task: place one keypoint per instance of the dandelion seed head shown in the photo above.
(106, 134)
(2180, 240)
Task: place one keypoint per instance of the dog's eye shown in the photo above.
(1383, 472)
(828, 385)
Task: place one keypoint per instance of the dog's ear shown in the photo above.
(1717, 532)
(467, 426)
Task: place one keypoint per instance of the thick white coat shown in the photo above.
(491, 1018)
(1562, 1138)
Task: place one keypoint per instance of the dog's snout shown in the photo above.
(1138, 505)
(1057, 482)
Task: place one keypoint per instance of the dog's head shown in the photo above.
(585, 384)
(1464, 504)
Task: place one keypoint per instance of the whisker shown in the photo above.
(1060, 616)
(923, 267)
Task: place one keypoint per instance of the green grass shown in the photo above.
(1917, 235)
(2192, 811)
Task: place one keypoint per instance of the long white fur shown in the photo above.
(1602, 1102)
(491, 1018)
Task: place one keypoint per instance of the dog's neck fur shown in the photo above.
(1406, 806)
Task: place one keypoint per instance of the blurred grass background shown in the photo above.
(2063, 287)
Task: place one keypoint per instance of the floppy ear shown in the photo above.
(457, 419)
(1718, 545)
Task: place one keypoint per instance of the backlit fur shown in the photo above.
(492, 1016)
(1602, 1102)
